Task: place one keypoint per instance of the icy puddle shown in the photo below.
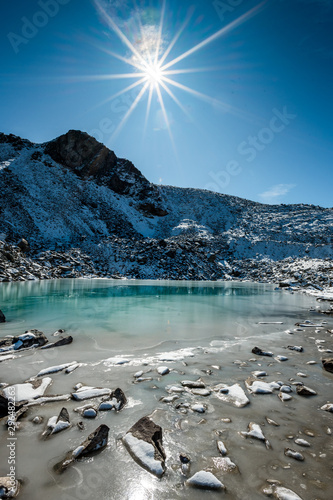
(181, 352)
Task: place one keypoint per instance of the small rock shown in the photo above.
(256, 433)
(198, 408)
(163, 370)
(328, 364)
(285, 494)
(23, 245)
(284, 397)
(302, 442)
(89, 413)
(294, 454)
(222, 448)
(260, 352)
(302, 390)
(296, 348)
(201, 392)
(327, 407)
(58, 423)
(37, 420)
(205, 480)
(281, 358)
(272, 422)
(193, 384)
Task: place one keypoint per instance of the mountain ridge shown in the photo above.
(75, 192)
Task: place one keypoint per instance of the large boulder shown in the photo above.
(144, 443)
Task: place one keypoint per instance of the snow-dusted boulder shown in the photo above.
(144, 443)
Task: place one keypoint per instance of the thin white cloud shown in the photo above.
(273, 194)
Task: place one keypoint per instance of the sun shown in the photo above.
(150, 70)
(154, 73)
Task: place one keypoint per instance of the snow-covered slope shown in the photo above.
(74, 192)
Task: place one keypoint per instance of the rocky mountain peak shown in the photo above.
(89, 159)
(81, 153)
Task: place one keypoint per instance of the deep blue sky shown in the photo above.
(279, 61)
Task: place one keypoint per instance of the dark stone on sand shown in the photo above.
(328, 364)
(260, 352)
(302, 390)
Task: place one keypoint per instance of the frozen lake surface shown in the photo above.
(198, 330)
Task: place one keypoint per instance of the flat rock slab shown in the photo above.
(55, 369)
(260, 387)
(86, 392)
(285, 494)
(205, 480)
(144, 443)
(28, 391)
(233, 394)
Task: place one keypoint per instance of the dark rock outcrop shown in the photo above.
(144, 443)
(2, 317)
(89, 159)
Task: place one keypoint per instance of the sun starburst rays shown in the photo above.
(153, 73)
